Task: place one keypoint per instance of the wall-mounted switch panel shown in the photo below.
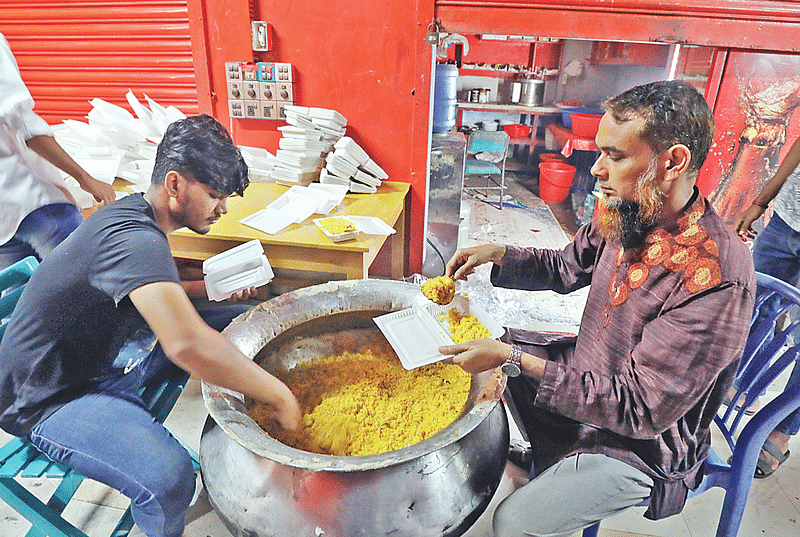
(259, 90)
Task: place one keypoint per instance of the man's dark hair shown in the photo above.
(200, 147)
(674, 112)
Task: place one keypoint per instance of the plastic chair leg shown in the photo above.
(35, 511)
(591, 531)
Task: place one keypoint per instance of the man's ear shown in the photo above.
(173, 183)
(677, 160)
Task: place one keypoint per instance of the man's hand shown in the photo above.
(465, 260)
(743, 226)
(102, 192)
(284, 406)
(244, 294)
(477, 355)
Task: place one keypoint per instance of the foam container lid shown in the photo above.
(416, 334)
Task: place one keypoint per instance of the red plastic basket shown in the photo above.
(517, 130)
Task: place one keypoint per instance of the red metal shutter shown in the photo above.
(749, 24)
(72, 51)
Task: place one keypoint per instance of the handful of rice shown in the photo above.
(439, 290)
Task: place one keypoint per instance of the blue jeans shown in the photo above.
(109, 435)
(40, 232)
(777, 252)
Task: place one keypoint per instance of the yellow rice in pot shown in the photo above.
(366, 403)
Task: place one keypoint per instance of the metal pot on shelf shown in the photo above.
(532, 92)
(260, 487)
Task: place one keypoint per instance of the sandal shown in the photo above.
(763, 467)
(752, 409)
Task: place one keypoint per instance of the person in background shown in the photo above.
(82, 340)
(623, 413)
(776, 252)
(38, 210)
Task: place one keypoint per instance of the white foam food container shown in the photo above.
(336, 170)
(340, 153)
(294, 205)
(349, 146)
(323, 201)
(326, 113)
(369, 225)
(342, 163)
(326, 177)
(335, 193)
(302, 144)
(361, 188)
(416, 333)
(366, 178)
(300, 158)
(267, 220)
(290, 131)
(234, 270)
(374, 169)
(298, 110)
(327, 123)
(284, 175)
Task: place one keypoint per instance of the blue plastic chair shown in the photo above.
(765, 357)
(18, 457)
(493, 174)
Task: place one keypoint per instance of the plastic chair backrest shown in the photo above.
(491, 142)
(765, 357)
(12, 282)
(765, 354)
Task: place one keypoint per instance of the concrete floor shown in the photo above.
(773, 508)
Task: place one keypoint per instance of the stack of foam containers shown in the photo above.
(235, 270)
(349, 164)
(306, 141)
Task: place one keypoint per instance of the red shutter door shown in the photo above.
(72, 51)
(750, 24)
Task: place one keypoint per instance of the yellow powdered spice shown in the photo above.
(465, 327)
(440, 289)
(367, 403)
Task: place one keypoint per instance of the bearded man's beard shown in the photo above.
(629, 221)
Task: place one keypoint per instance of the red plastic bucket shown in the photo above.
(555, 180)
(550, 157)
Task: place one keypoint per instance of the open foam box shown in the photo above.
(416, 333)
(234, 270)
(369, 225)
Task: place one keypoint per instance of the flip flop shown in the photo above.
(763, 467)
(752, 409)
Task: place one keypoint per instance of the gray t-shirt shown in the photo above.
(787, 202)
(75, 314)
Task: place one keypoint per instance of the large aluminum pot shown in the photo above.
(260, 487)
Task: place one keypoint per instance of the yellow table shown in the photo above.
(304, 247)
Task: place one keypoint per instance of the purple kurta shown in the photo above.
(661, 335)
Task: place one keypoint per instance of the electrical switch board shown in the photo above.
(259, 90)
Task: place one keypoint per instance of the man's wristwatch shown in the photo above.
(513, 364)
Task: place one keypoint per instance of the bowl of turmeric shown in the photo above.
(381, 450)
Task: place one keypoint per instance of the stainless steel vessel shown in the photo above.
(532, 92)
(260, 487)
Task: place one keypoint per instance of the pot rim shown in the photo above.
(252, 330)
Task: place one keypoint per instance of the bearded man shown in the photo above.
(622, 413)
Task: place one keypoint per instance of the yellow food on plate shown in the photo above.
(439, 290)
(465, 327)
(366, 403)
(336, 225)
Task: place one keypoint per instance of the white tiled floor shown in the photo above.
(772, 511)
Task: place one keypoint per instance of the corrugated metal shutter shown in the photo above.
(71, 51)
